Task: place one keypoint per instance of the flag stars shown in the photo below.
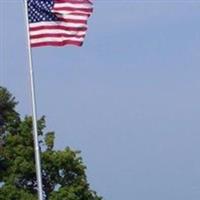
(40, 10)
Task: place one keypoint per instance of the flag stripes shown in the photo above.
(68, 28)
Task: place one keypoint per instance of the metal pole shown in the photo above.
(34, 110)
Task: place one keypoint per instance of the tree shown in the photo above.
(9, 118)
(63, 172)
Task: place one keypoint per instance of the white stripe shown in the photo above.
(52, 39)
(56, 31)
(55, 23)
(66, 12)
(72, 5)
(79, 17)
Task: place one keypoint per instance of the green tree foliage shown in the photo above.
(9, 118)
(63, 172)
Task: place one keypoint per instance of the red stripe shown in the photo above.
(73, 1)
(79, 14)
(87, 10)
(58, 35)
(59, 44)
(58, 27)
(75, 21)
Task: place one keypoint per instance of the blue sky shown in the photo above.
(129, 99)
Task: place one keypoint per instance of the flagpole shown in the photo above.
(34, 110)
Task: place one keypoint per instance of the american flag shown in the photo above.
(58, 22)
